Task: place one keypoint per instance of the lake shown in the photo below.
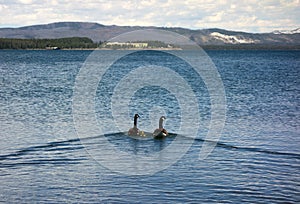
(52, 102)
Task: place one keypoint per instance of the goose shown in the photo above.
(134, 131)
(160, 132)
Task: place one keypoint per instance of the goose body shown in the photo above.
(134, 131)
(160, 132)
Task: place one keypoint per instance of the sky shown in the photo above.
(239, 15)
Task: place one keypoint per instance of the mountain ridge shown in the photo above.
(99, 33)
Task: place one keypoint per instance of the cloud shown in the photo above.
(25, 1)
(251, 15)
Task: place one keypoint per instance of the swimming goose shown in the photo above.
(134, 131)
(160, 132)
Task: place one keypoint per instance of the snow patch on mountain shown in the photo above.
(232, 39)
(287, 31)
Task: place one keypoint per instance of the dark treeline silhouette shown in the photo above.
(87, 43)
(61, 43)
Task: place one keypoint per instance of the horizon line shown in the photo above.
(149, 26)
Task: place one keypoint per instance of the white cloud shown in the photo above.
(216, 17)
(251, 15)
(26, 1)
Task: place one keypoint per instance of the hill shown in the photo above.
(204, 37)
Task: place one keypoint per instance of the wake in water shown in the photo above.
(62, 152)
(55, 153)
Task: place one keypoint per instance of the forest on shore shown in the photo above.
(87, 43)
(60, 43)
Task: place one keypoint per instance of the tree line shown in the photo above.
(60, 43)
(87, 43)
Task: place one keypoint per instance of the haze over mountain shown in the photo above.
(98, 32)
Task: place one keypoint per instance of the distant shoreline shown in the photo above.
(224, 48)
(79, 43)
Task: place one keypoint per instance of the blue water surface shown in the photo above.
(256, 160)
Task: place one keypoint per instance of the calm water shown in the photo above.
(256, 160)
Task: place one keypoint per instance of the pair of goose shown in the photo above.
(158, 133)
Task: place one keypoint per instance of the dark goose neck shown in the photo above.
(136, 116)
(135, 121)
